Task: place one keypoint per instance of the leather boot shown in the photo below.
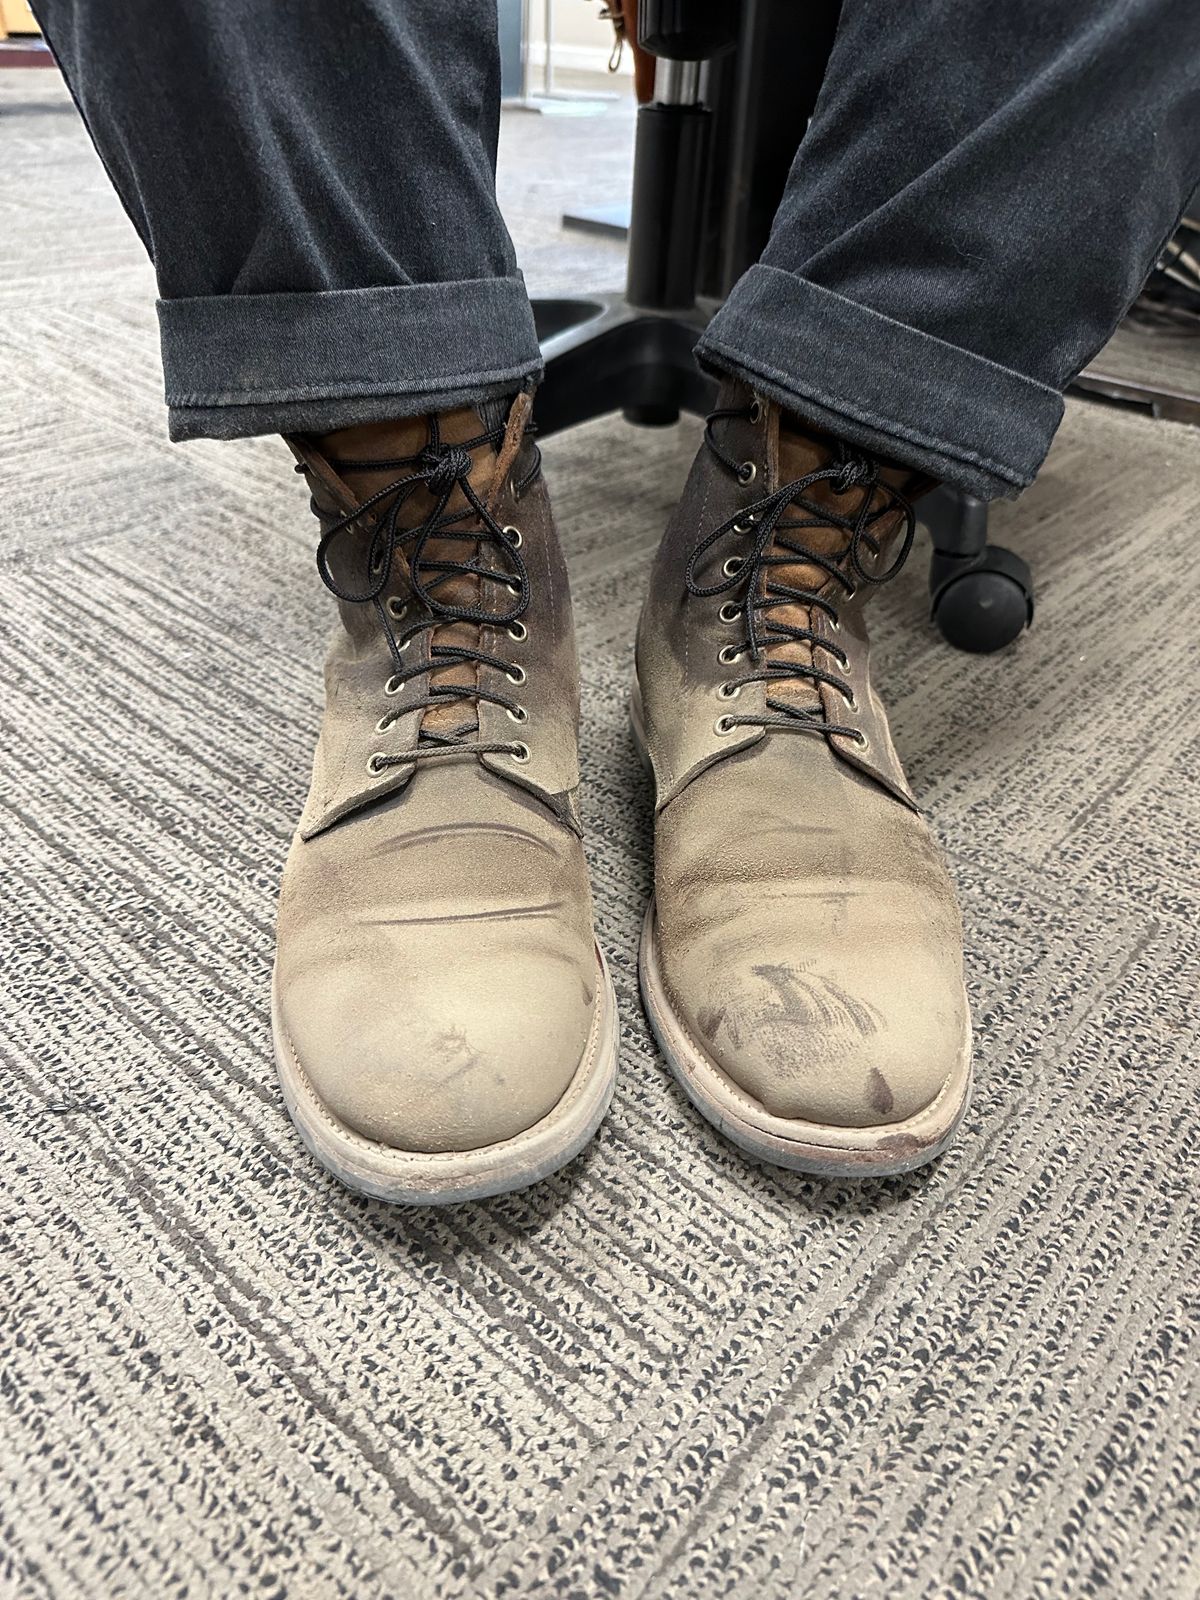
(445, 1026)
(801, 959)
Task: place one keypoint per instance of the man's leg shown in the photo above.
(315, 186)
(980, 197)
(981, 194)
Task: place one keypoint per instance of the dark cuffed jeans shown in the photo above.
(981, 194)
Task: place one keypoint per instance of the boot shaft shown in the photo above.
(456, 638)
(754, 618)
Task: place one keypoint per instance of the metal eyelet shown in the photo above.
(848, 700)
(520, 752)
(732, 567)
(747, 526)
(385, 724)
(723, 725)
(747, 472)
(517, 714)
(728, 691)
(756, 411)
(728, 654)
(375, 763)
(513, 535)
(518, 631)
(396, 606)
(516, 674)
(394, 685)
(862, 739)
(729, 612)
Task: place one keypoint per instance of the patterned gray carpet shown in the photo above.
(668, 1372)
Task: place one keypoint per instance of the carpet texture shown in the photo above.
(667, 1372)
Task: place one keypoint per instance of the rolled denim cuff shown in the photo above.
(236, 365)
(882, 384)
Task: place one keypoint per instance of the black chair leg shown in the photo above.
(982, 594)
(603, 354)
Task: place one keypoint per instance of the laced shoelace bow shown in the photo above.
(440, 469)
(847, 471)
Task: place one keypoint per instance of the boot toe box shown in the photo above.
(811, 1039)
(453, 1061)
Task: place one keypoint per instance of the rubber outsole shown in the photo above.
(420, 1178)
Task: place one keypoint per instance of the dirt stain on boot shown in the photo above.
(879, 1093)
(710, 1019)
(815, 1001)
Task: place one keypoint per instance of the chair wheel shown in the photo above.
(987, 605)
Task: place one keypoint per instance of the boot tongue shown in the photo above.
(389, 441)
(801, 453)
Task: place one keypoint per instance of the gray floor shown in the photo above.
(667, 1372)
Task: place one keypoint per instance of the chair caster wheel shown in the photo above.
(984, 604)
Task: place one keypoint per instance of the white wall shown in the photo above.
(583, 41)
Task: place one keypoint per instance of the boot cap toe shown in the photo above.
(459, 1065)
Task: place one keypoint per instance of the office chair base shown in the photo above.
(603, 354)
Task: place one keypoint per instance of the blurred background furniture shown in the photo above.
(21, 43)
(1153, 359)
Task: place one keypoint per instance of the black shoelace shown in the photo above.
(751, 573)
(440, 469)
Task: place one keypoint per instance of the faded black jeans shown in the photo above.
(980, 195)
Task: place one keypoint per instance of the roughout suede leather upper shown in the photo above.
(805, 927)
(436, 967)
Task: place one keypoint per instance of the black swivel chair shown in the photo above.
(735, 86)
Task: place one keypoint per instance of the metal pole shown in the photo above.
(676, 83)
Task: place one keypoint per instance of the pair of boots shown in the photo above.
(445, 1025)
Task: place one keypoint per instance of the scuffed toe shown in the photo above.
(458, 1062)
(804, 1045)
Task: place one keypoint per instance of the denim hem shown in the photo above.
(884, 384)
(242, 364)
(323, 416)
